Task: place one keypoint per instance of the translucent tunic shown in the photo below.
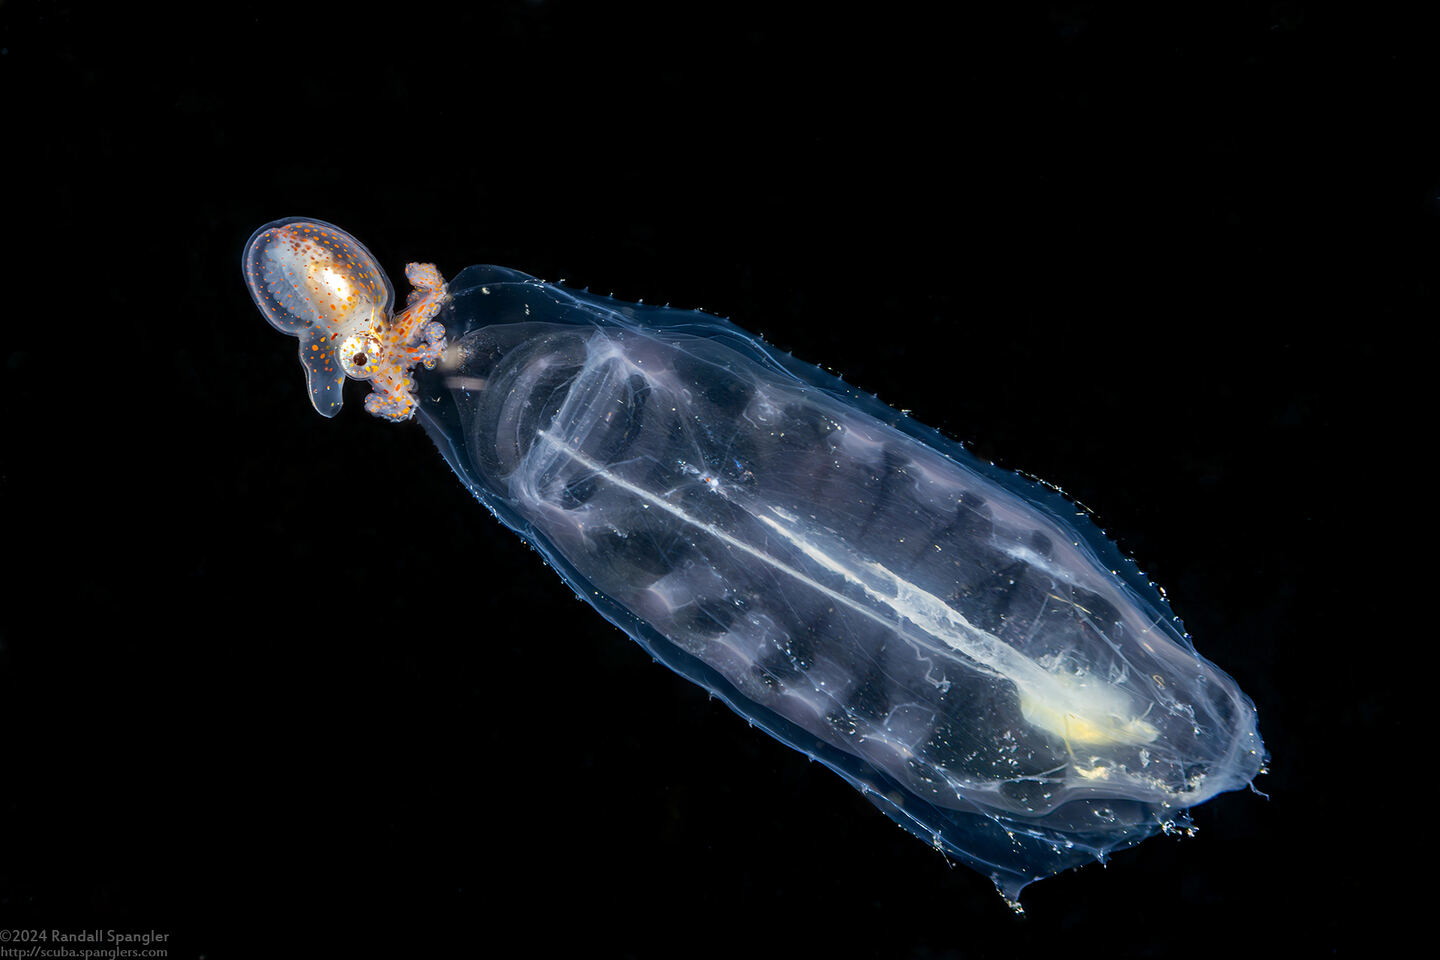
(951, 638)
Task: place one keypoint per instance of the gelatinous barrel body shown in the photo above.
(952, 639)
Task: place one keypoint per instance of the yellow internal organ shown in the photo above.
(1082, 712)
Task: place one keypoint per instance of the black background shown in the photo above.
(276, 685)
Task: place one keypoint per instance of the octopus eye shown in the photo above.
(360, 356)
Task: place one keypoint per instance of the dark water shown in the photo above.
(260, 669)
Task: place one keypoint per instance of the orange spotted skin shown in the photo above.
(314, 281)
